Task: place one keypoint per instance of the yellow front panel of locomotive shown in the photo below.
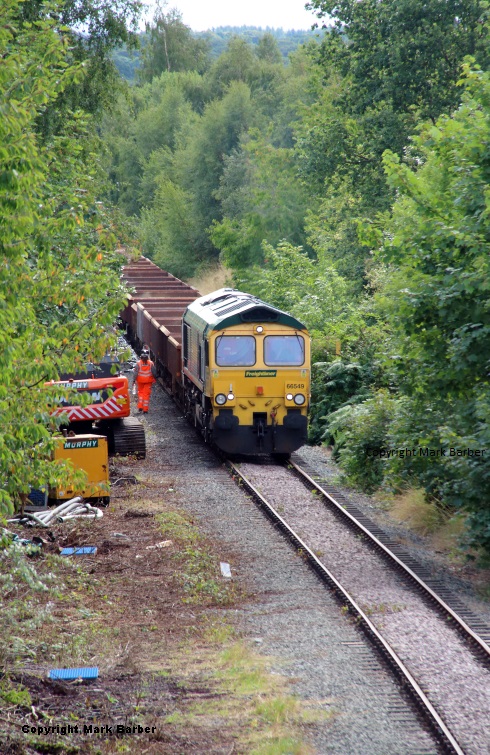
(259, 387)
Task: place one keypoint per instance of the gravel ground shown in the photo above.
(457, 685)
(463, 579)
(289, 615)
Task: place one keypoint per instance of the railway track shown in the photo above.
(471, 627)
(435, 646)
(468, 683)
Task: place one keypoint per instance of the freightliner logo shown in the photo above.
(260, 373)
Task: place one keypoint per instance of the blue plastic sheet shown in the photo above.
(69, 674)
(82, 551)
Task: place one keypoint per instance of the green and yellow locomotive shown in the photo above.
(246, 373)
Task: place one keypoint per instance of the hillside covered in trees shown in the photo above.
(348, 183)
(215, 42)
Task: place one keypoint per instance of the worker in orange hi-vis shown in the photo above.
(144, 376)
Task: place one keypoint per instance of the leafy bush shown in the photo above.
(360, 431)
(437, 243)
(470, 475)
(334, 385)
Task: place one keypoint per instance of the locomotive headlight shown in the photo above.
(259, 329)
(230, 397)
(299, 399)
(289, 396)
(220, 399)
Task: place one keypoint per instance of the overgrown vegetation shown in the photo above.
(183, 670)
(199, 572)
(59, 274)
(33, 587)
(348, 187)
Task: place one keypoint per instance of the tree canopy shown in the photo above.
(171, 46)
(59, 279)
(404, 52)
(437, 244)
(94, 29)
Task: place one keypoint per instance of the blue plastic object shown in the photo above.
(68, 674)
(79, 551)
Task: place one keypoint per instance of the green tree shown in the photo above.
(437, 298)
(95, 28)
(200, 165)
(292, 281)
(404, 52)
(169, 230)
(261, 198)
(268, 49)
(175, 224)
(170, 46)
(59, 278)
(386, 65)
(237, 63)
(143, 128)
(257, 67)
(294, 94)
(339, 160)
(173, 159)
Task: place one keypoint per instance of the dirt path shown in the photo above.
(124, 612)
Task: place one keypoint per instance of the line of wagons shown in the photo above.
(239, 367)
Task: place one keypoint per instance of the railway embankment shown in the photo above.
(263, 662)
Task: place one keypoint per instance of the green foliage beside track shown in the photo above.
(437, 243)
(59, 279)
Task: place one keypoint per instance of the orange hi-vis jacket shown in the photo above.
(144, 372)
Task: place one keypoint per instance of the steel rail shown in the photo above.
(462, 626)
(410, 684)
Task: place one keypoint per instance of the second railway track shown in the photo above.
(437, 648)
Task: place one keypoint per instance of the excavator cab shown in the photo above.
(109, 366)
(107, 411)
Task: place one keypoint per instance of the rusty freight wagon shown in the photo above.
(153, 316)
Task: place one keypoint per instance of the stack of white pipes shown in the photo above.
(75, 508)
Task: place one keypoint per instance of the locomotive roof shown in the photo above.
(227, 307)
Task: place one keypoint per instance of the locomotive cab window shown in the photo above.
(284, 350)
(235, 351)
